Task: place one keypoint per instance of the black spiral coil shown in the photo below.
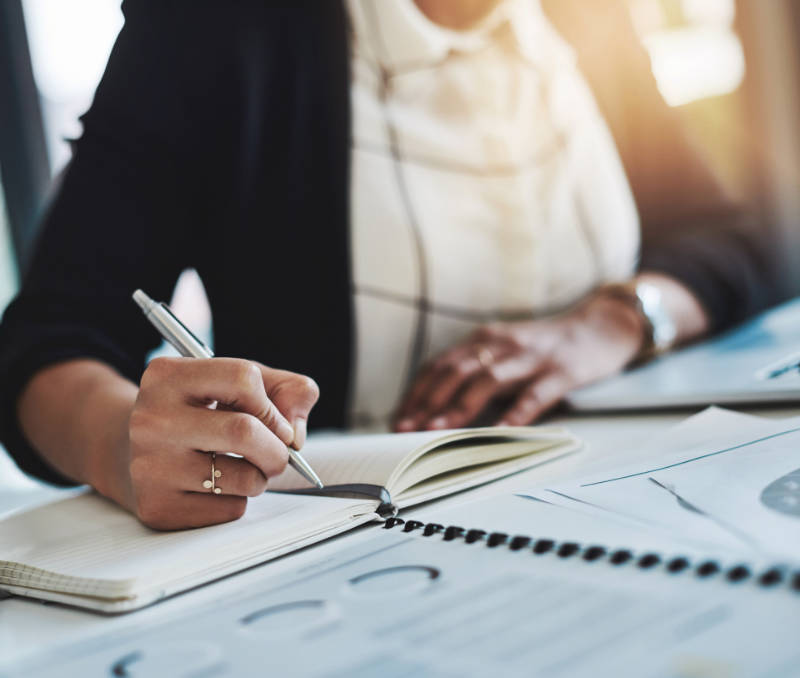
(772, 577)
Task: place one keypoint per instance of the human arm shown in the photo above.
(142, 200)
(146, 448)
(528, 367)
(705, 252)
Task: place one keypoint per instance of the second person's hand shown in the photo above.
(532, 364)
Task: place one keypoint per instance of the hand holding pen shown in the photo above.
(181, 474)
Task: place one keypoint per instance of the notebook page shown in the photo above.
(445, 460)
(355, 458)
(375, 459)
(453, 609)
(90, 546)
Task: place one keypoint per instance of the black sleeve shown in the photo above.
(691, 230)
(127, 205)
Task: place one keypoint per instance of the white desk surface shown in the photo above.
(28, 627)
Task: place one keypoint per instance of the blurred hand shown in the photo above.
(533, 363)
(173, 427)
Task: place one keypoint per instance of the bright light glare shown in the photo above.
(70, 43)
(696, 63)
(7, 270)
(713, 12)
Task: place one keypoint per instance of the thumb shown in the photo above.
(294, 395)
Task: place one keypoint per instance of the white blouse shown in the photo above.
(485, 186)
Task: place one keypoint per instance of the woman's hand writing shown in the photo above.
(173, 427)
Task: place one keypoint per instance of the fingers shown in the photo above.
(497, 380)
(294, 395)
(170, 494)
(437, 385)
(172, 422)
(237, 477)
(194, 428)
(538, 397)
(237, 384)
(184, 510)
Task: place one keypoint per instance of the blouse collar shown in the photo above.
(403, 38)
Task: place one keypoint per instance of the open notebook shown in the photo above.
(88, 552)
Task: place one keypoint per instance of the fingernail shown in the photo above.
(438, 423)
(285, 432)
(299, 433)
(405, 425)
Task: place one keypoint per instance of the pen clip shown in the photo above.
(168, 310)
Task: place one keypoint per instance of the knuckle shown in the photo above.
(248, 376)
(310, 388)
(158, 370)
(462, 368)
(242, 429)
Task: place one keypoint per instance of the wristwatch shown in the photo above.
(646, 299)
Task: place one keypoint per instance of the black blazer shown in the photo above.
(219, 139)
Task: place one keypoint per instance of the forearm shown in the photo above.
(76, 414)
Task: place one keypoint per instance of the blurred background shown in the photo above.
(730, 67)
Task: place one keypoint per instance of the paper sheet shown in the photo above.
(88, 545)
(629, 493)
(402, 605)
(754, 490)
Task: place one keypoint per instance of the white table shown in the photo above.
(28, 627)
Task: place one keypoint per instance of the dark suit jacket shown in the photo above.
(219, 139)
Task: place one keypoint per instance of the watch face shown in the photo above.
(653, 307)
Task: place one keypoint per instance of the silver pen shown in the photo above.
(189, 346)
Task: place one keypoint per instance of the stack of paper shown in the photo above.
(718, 480)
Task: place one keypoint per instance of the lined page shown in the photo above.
(355, 458)
(88, 545)
(375, 458)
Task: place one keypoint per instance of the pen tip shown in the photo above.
(319, 485)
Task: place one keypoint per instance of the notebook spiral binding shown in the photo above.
(776, 576)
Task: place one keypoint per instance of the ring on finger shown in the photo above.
(211, 483)
(485, 356)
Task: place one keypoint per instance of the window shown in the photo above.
(8, 272)
(70, 43)
(695, 51)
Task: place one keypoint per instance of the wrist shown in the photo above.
(659, 331)
(619, 319)
(108, 412)
(83, 436)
